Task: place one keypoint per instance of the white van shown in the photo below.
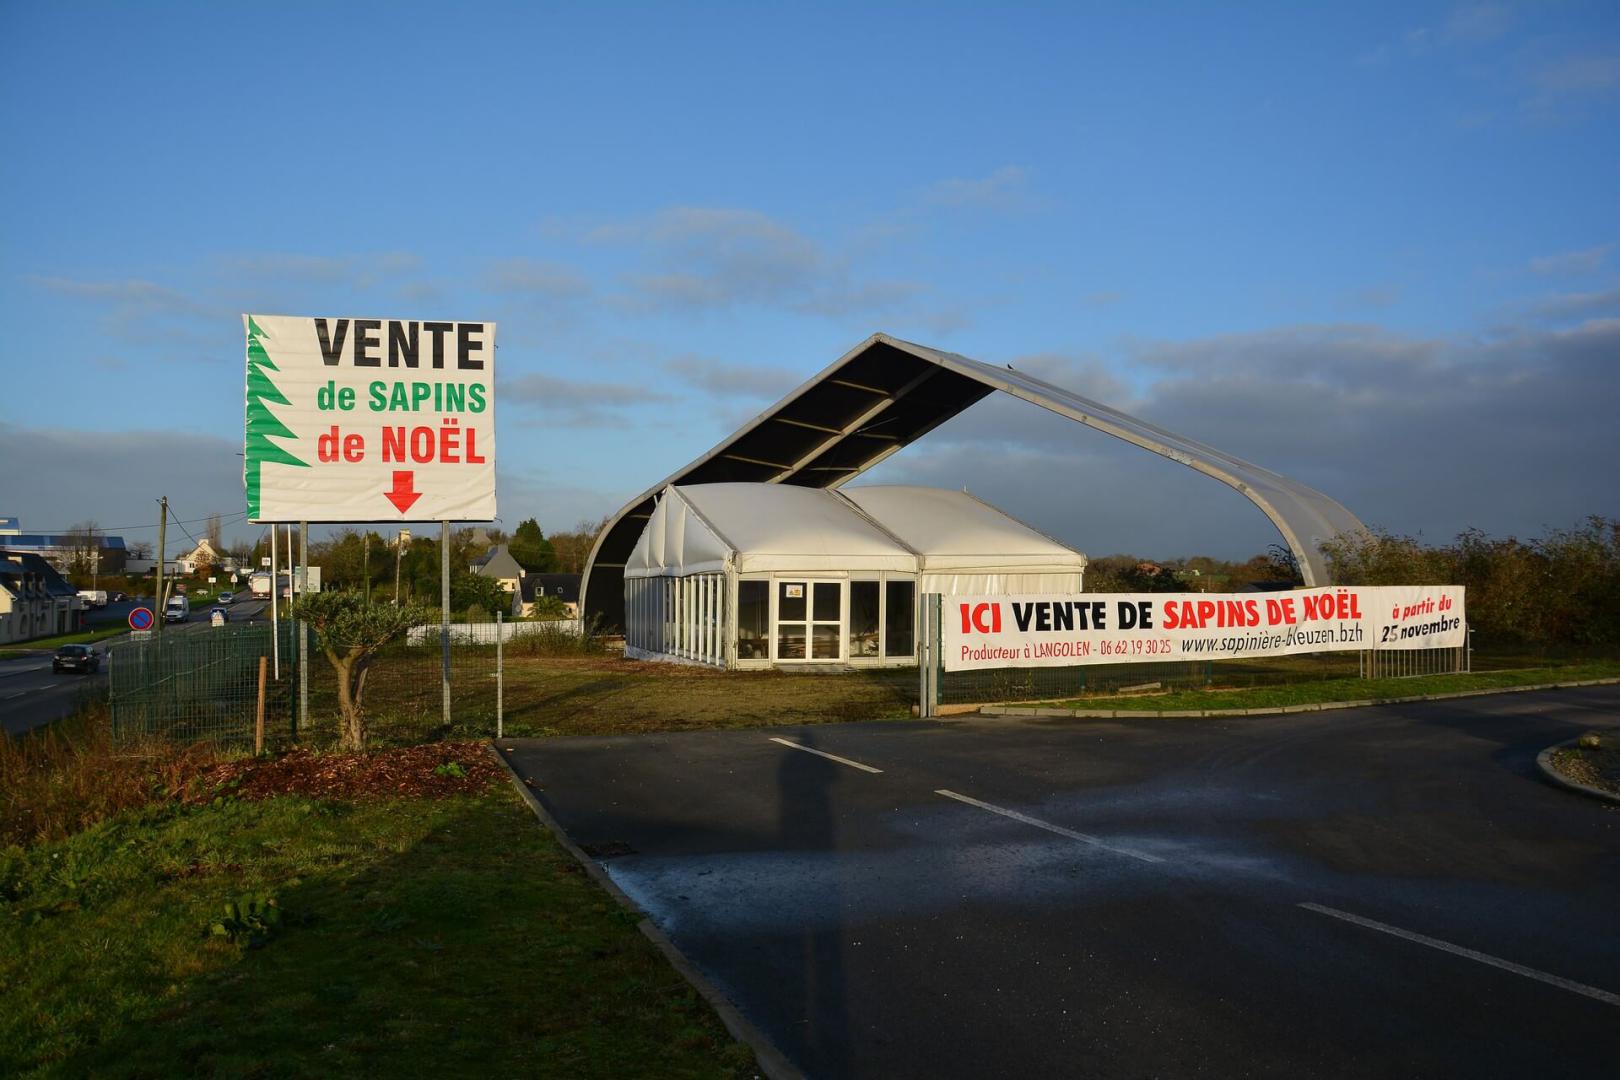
(178, 609)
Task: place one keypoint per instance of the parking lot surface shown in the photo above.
(1388, 890)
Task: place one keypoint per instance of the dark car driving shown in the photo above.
(75, 658)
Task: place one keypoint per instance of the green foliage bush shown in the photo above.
(1561, 590)
(556, 638)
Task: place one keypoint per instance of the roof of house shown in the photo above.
(497, 562)
(564, 587)
(14, 564)
(58, 540)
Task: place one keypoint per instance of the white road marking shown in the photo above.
(1457, 950)
(823, 753)
(1048, 826)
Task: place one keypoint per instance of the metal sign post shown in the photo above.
(275, 619)
(444, 611)
(303, 631)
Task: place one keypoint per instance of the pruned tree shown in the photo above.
(574, 547)
(83, 549)
(350, 632)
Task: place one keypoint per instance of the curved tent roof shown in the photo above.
(885, 394)
(760, 527)
(701, 528)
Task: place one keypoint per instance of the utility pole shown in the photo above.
(399, 552)
(163, 532)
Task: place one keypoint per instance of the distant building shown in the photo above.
(171, 567)
(499, 564)
(563, 587)
(35, 600)
(203, 554)
(105, 553)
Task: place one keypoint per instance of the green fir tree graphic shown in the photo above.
(262, 425)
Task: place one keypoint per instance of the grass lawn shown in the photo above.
(447, 937)
(86, 637)
(1331, 690)
(603, 695)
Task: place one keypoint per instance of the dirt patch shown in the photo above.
(1597, 767)
(436, 770)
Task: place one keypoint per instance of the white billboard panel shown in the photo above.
(369, 420)
(1113, 628)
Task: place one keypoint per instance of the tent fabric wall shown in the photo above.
(700, 541)
(676, 542)
(952, 530)
(966, 583)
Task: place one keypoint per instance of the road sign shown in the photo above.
(140, 618)
(382, 420)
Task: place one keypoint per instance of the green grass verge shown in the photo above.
(444, 938)
(86, 637)
(547, 696)
(1334, 690)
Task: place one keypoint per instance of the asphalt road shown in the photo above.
(1382, 891)
(32, 696)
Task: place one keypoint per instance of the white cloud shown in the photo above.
(1004, 189)
(1580, 305)
(1587, 261)
(706, 258)
(574, 403)
(535, 278)
(1421, 435)
(720, 379)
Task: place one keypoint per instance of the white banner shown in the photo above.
(369, 420)
(1113, 628)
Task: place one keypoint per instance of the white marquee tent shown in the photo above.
(752, 575)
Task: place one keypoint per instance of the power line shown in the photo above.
(231, 520)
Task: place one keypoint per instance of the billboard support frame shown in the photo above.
(444, 612)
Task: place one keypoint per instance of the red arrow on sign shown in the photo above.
(403, 496)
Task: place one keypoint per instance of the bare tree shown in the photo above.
(83, 549)
(140, 549)
(213, 532)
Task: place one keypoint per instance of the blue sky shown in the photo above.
(1372, 246)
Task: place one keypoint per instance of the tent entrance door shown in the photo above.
(809, 620)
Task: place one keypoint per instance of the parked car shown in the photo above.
(227, 598)
(80, 658)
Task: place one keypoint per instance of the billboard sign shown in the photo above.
(1114, 628)
(369, 420)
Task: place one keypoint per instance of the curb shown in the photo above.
(772, 1062)
(1544, 763)
(1279, 710)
